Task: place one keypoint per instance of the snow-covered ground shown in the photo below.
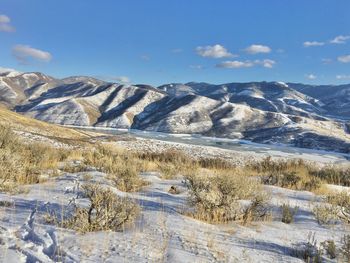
(234, 150)
(160, 234)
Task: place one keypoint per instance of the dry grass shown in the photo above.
(121, 167)
(23, 123)
(25, 163)
(292, 174)
(333, 175)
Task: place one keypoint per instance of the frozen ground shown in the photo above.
(235, 154)
(236, 151)
(160, 234)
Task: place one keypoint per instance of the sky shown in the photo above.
(158, 41)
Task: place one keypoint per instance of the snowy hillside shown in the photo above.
(266, 112)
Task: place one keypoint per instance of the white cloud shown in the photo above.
(311, 76)
(216, 51)
(313, 44)
(266, 63)
(340, 39)
(255, 49)
(344, 59)
(235, 64)
(23, 53)
(5, 25)
(342, 77)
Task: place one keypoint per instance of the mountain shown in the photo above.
(335, 99)
(266, 112)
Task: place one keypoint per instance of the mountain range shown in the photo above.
(309, 116)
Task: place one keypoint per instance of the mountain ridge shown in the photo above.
(265, 112)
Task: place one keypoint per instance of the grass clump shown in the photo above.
(216, 197)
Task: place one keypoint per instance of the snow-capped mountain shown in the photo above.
(268, 112)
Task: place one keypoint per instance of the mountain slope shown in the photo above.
(268, 112)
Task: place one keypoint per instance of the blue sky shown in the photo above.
(158, 41)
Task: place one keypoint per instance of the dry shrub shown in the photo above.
(179, 160)
(333, 175)
(71, 167)
(216, 197)
(337, 207)
(330, 248)
(106, 211)
(122, 167)
(288, 213)
(298, 174)
(168, 170)
(345, 249)
(127, 179)
(168, 156)
(215, 163)
(325, 214)
(293, 174)
(340, 202)
(309, 251)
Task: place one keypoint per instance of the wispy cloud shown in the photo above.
(196, 67)
(326, 61)
(311, 76)
(216, 51)
(313, 44)
(6, 70)
(340, 39)
(5, 24)
(145, 57)
(176, 50)
(266, 63)
(235, 64)
(255, 49)
(120, 79)
(24, 52)
(344, 59)
(342, 77)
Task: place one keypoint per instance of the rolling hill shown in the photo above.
(265, 112)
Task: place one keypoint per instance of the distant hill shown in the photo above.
(266, 112)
